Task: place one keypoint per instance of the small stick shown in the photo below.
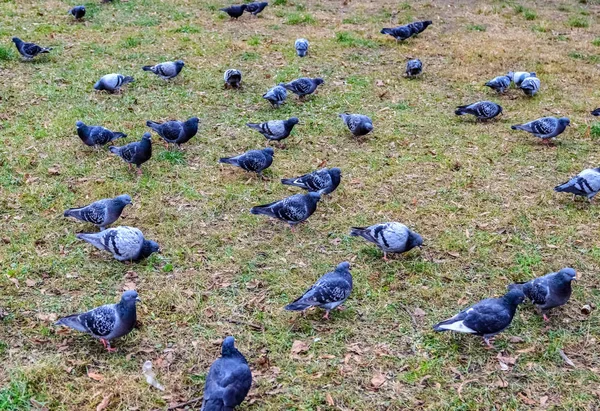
(183, 404)
(254, 326)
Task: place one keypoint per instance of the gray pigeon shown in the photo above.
(483, 110)
(175, 132)
(125, 243)
(518, 76)
(101, 213)
(500, 84)
(585, 184)
(228, 381)
(29, 50)
(358, 124)
(276, 96)
(399, 33)
(293, 210)
(256, 7)
(596, 112)
(323, 181)
(232, 78)
(107, 322)
(301, 46)
(486, 318)
(414, 68)
(549, 291)
(166, 70)
(234, 11)
(275, 130)
(530, 86)
(96, 135)
(329, 292)
(253, 160)
(112, 82)
(78, 12)
(136, 153)
(419, 26)
(303, 86)
(390, 237)
(545, 127)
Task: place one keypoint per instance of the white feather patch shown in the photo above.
(458, 326)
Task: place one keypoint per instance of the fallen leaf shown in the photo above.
(543, 400)
(30, 283)
(419, 313)
(104, 403)
(526, 400)
(329, 400)
(501, 383)
(515, 340)
(453, 254)
(379, 83)
(38, 405)
(95, 376)
(378, 380)
(14, 281)
(53, 171)
(299, 347)
(130, 285)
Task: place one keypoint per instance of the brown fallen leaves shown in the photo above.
(378, 380)
(95, 376)
(299, 347)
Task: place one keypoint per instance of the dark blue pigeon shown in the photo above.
(276, 96)
(419, 26)
(136, 153)
(301, 46)
(256, 7)
(399, 33)
(329, 292)
(175, 132)
(124, 243)
(500, 84)
(483, 110)
(323, 181)
(275, 130)
(29, 50)
(358, 124)
(101, 213)
(106, 322)
(414, 68)
(391, 237)
(232, 78)
(293, 210)
(585, 184)
(112, 82)
(596, 112)
(530, 86)
(545, 127)
(166, 70)
(234, 11)
(253, 160)
(303, 86)
(228, 381)
(96, 135)
(486, 318)
(78, 12)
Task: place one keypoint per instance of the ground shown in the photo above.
(480, 194)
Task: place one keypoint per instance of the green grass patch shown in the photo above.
(6, 53)
(280, 2)
(350, 40)
(132, 42)
(596, 42)
(299, 18)
(595, 131)
(476, 27)
(578, 22)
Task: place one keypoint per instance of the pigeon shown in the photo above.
(596, 112)
(518, 76)
(275, 130)
(530, 86)
(29, 50)
(545, 127)
(256, 7)
(253, 160)
(585, 184)
(358, 124)
(125, 243)
(323, 181)
(329, 292)
(107, 322)
(400, 32)
(301, 46)
(419, 26)
(276, 96)
(136, 153)
(414, 68)
(175, 132)
(96, 135)
(232, 78)
(303, 86)
(486, 318)
(234, 11)
(78, 12)
(112, 82)
(101, 213)
(166, 70)
(500, 84)
(483, 110)
(390, 237)
(293, 210)
(228, 381)
(549, 291)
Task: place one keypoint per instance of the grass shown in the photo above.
(480, 194)
(578, 22)
(476, 27)
(527, 13)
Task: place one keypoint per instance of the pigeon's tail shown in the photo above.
(264, 210)
(72, 212)
(571, 188)
(387, 31)
(72, 321)
(255, 126)
(46, 49)
(297, 305)
(596, 112)
(127, 79)
(518, 127)
(358, 231)
(438, 327)
(98, 85)
(228, 160)
(117, 134)
(153, 125)
(461, 110)
(114, 149)
(148, 68)
(291, 182)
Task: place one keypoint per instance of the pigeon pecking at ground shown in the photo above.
(358, 124)
(483, 110)
(107, 322)
(390, 237)
(293, 210)
(301, 46)
(166, 70)
(136, 153)
(486, 318)
(256, 7)
(96, 135)
(112, 82)
(78, 12)
(232, 78)
(235, 11)
(530, 86)
(518, 76)
(500, 84)
(254, 160)
(585, 184)
(125, 243)
(303, 86)
(549, 291)
(275, 130)
(545, 127)
(276, 96)
(228, 381)
(413, 68)
(323, 181)
(29, 50)
(329, 292)
(175, 132)
(101, 213)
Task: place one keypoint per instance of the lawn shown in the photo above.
(480, 194)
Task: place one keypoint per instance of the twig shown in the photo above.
(183, 404)
(567, 359)
(254, 326)
(412, 318)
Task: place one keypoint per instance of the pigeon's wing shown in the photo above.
(100, 135)
(171, 130)
(31, 49)
(543, 126)
(95, 213)
(166, 69)
(318, 180)
(100, 321)
(124, 242)
(129, 151)
(487, 317)
(302, 85)
(252, 161)
(537, 290)
(293, 209)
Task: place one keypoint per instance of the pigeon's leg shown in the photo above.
(545, 317)
(487, 342)
(326, 316)
(385, 257)
(292, 228)
(166, 144)
(106, 345)
(341, 307)
(129, 166)
(139, 171)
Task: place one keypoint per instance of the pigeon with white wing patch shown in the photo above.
(585, 184)
(124, 243)
(391, 237)
(323, 181)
